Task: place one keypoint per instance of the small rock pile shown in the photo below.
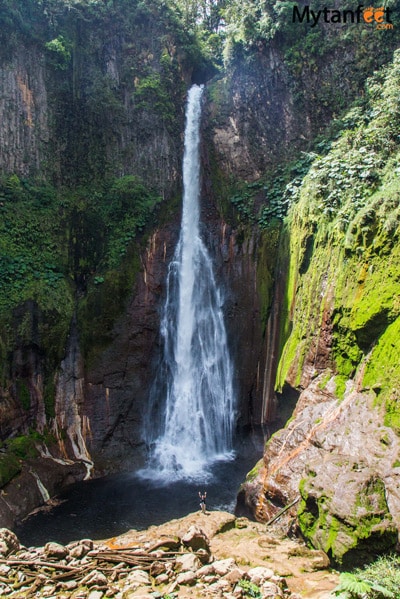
(171, 567)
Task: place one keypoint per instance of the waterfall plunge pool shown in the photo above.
(111, 505)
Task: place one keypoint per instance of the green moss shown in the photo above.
(325, 380)
(9, 467)
(23, 446)
(103, 304)
(344, 252)
(253, 474)
(340, 386)
(364, 529)
(49, 394)
(382, 373)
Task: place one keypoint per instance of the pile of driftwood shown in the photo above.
(85, 570)
(56, 568)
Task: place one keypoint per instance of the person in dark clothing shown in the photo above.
(203, 501)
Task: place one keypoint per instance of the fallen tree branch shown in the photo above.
(282, 511)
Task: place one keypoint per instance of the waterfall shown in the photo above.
(190, 420)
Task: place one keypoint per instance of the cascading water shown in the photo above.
(191, 414)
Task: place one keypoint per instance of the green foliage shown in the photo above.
(59, 52)
(125, 209)
(268, 199)
(151, 93)
(54, 244)
(385, 571)
(16, 449)
(353, 586)
(33, 262)
(250, 589)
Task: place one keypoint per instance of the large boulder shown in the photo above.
(347, 488)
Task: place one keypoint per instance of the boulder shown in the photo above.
(205, 570)
(157, 568)
(138, 577)
(348, 489)
(187, 562)
(270, 590)
(223, 566)
(55, 550)
(8, 542)
(188, 577)
(196, 539)
(81, 548)
(94, 578)
(259, 575)
(234, 576)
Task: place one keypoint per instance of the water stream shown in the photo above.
(191, 415)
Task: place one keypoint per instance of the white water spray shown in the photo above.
(191, 413)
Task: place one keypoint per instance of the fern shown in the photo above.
(381, 590)
(353, 587)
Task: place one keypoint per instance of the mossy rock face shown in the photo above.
(347, 536)
(343, 277)
(382, 373)
(9, 467)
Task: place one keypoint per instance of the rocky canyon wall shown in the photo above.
(339, 454)
(80, 114)
(82, 106)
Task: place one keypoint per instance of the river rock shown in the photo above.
(187, 562)
(69, 585)
(94, 578)
(221, 585)
(4, 569)
(8, 542)
(259, 575)
(157, 568)
(138, 577)
(223, 566)
(55, 550)
(270, 590)
(162, 579)
(187, 577)
(205, 570)
(233, 576)
(80, 548)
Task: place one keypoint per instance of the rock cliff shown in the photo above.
(339, 452)
(91, 137)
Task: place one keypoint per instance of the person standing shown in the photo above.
(203, 501)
